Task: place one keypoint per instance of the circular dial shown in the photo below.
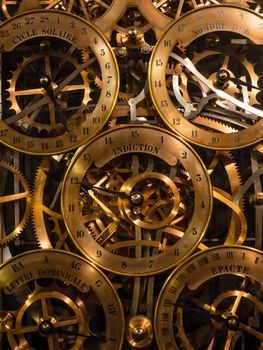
(136, 200)
(204, 77)
(54, 99)
(64, 303)
(213, 293)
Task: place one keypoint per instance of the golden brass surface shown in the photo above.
(117, 234)
(67, 113)
(182, 296)
(62, 295)
(180, 110)
(131, 172)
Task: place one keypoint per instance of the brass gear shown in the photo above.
(48, 224)
(237, 228)
(225, 58)
(49, 312)
(42, 99)
(115, 230)
(225, 306)
(205, 293)
(234, 294)
(14, 189)
(173, 9)
(91, 10)
(50, 61)
(209, 97)
(60, 302)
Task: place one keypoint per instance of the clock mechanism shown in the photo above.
(131, 203)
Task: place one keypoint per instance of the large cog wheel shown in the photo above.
(61, 302)
(48, 222)
(77, 93)
(55, 104)
(215, 294)
(223, 165)
(91, 10)
(15, 196)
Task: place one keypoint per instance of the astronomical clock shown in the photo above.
(131, 201)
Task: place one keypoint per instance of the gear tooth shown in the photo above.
(21, 226)
(123, 97)
(98, 82)
(26, 60)
(217, 123)
(42, 166)
(35, 232)
(4, 11)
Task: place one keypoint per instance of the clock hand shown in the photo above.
(14, 118)
(70, 77)
(122, 195)
(89, 186)
(220, 93)
(45, 82)
(47, 99)
(241, 82)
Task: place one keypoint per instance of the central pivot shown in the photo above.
(136, 199)
(232, 323)
(138, 333)
(46, 328)
(222, 76)
(45, 80)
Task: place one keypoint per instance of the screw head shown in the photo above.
(138, 333)
(45, 327)
(136, 210)
(136, 198)
(44, 80)
(132, 32)
(121, 52)
(223, 76)
(232, 322)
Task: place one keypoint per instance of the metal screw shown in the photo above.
(138, 333)
(136, 198)
(132, 32)
(44, 80)
(136, 210)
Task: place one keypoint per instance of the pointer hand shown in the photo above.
(220, 93)
(122, 195)
(244, 83)
(47, 99)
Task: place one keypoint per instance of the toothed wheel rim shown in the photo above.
(22, 193)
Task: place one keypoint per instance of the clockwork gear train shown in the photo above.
(131, 201)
